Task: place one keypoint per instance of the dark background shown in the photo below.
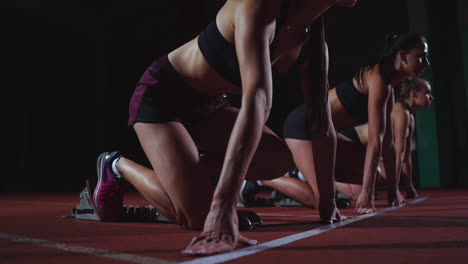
(70, 67)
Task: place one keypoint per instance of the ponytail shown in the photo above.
(314, 80)
(396, 42)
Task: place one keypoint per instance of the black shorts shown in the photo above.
(296, 125)
(162, 96)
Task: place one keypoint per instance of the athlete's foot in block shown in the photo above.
(220, 234)
(365, 204)
(395, 198)
(411, 193)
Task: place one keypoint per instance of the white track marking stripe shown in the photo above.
(287, 215)
(206, 260)
(289, 239)
(86, 251)
(429, 219)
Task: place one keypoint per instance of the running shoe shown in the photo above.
(110, 189)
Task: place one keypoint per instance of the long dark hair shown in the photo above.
(314, 83)
(397, 42)
(393, 44)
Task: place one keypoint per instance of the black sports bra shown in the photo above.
(221, 54)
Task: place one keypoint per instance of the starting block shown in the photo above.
(85, 210)
(248, 220)
(343, 203)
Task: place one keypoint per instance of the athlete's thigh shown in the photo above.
(167, 145)
(212, 134)
(303, 156)
(175, 159)
(272, 158)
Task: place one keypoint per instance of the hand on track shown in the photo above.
(220, 234)
(365, 204)
(395, 198)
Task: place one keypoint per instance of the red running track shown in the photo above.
(433, 229)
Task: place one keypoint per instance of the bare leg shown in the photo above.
(180, 186)
(303, 156)
(351, 190)
(149, 185)
(183, 174)
(294, 188)
(349, 170)
(315, 158)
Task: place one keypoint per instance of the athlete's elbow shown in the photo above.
(263, 102)
(257, 106)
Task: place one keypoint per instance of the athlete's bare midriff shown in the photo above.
(190, 63)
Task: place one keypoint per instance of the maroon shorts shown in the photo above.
(162, 96)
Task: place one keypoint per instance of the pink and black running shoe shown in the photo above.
(110, 189)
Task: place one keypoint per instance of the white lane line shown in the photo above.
(33, 202)
(287, 215)
(84, 250)
(428, 219)
(289, 239)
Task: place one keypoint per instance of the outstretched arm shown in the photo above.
(394, 156)
(254, 25)
(314, 85)
(252, 47)
(408, 164)
(379, 93)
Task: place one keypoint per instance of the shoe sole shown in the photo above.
(99, 169)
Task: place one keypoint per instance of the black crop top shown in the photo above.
(221, 54)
